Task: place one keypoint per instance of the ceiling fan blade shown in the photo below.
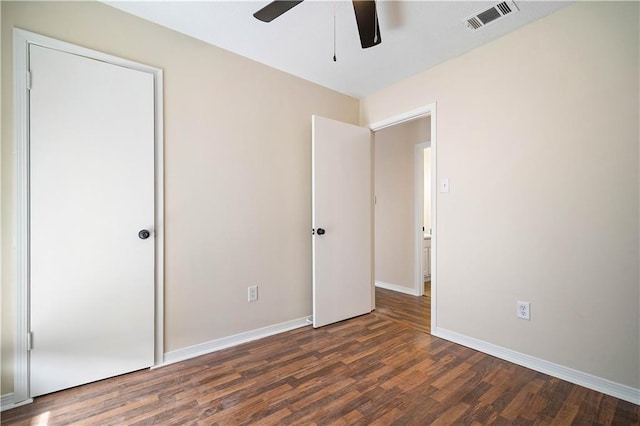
(367, 19)
(275, 9)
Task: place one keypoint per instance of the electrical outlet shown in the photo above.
(253, 293)
(523, 310)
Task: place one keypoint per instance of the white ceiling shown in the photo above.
(416, 35)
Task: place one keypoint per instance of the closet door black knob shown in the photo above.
(144, 234)
(320, 231)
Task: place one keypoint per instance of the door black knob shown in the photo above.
(144, 234)
(320, 231)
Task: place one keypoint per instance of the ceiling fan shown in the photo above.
(365, 10)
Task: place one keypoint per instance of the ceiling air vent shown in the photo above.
(495, 12)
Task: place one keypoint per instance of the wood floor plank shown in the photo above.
(452, 415)
(387, 418)
(382, 368)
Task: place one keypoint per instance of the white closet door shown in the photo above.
(91, 192)
(342, 218)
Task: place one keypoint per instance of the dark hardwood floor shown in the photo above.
(380, 368)
(414, 312)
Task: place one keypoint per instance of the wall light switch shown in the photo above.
(444, 185)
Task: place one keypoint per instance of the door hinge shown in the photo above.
(29, 341)
(28, 80)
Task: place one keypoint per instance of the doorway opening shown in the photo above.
(405, 208)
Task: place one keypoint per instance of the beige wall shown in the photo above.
(237, 172)
(394, 209)
(538, 133)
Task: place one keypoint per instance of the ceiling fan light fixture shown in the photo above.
(367, 20)
(274, 9)
(365, 11)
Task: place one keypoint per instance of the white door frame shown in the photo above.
(21, 79)
(418, 204)
(422, 112)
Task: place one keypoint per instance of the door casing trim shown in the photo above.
(21, 41)
(428, 110)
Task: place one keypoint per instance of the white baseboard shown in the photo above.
(599, 384)
(226, 342)
(6, 402)
(398, 288)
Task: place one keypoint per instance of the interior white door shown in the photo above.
(342, 218)
(91, 192)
